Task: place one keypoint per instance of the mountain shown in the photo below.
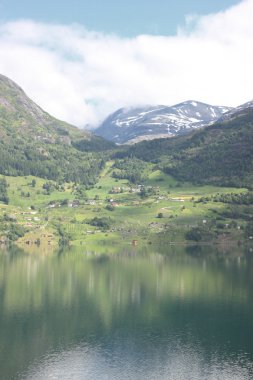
(221, 153)
(235, 112)
(33, 142)
(20, 116)
(132, 125)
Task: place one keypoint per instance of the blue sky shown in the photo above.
(82, 60)
(123, 17)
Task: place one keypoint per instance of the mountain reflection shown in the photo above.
(107, 316)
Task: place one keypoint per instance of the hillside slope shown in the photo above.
(220, 154)
(33, 142)
(20, 116)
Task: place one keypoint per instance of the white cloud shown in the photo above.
(81, 76)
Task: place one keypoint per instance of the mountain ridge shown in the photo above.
(32, 142)
(220, 154)
(30, 120)
(131, 125)
(236, 111)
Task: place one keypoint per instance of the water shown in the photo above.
(182, 315)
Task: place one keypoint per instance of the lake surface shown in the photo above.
(137, 314)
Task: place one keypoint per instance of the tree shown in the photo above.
(194, 234)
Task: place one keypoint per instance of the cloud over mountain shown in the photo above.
(81, 76)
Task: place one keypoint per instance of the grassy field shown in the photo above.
(167, 214)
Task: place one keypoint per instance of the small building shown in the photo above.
(74, 204)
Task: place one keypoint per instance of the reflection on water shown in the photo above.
(86, 362)
(132, 315)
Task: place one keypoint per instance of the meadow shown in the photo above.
(158, 210)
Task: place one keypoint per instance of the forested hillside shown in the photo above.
(34, 143)
(219, 154)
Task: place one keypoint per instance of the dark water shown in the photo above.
(133, 315)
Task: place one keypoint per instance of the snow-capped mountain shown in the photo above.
(131, 125)
(235, 112)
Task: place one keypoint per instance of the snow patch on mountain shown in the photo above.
(234, 112)
(133, 124)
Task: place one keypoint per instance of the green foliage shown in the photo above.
(130, 168)
(245, 198)
(3, 191)
(7, 218)
(221, 154)
(96, 144)
(57, 162)
(110, 207)
(10, 229)
(64, 202)
(35, 143)
(33, 184)
(194, 234)
(49, 187)
(147, 191)
(198, 234)
(249, 230)
(15, 231)
(80, 192)
(136, 218)
(104, 222)
(65, 238)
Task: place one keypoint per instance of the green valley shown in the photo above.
(63, 186)
(157, 211)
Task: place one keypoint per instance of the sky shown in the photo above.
(82, 60)
(123, 17)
